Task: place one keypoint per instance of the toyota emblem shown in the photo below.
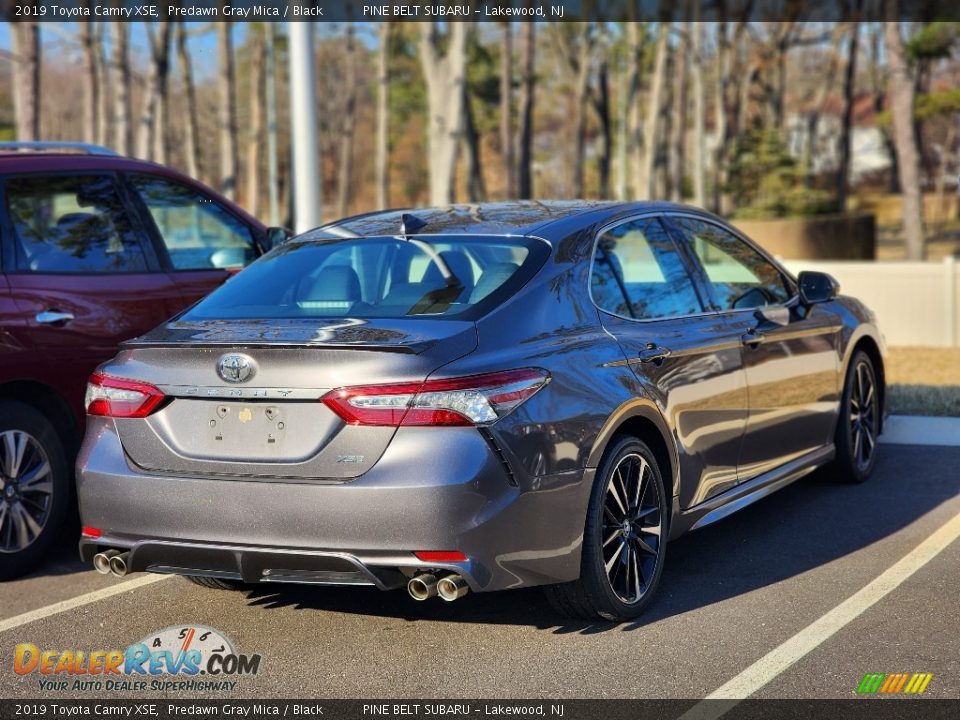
(235, 368)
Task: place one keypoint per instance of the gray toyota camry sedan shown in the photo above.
(476, 398)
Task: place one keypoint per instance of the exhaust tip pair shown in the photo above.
(111, 562)
(449, 588)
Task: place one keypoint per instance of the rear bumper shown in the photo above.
(433, 489)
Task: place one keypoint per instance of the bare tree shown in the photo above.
(255, 137)
(846, 116)
(190, 96)
(348, 118)
(575, 44)
(153, 120)
(678, 117)
(476, 188)
(902, 99)
(634, 150)
(120, 82)
(227, 111)
(527, 98)
(25, 41)
(654, 102)
(383, 116)
(506, 108)
(695, 29)
(600, 98)
(445, 72)
(91, 84)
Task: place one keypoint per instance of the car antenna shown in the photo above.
(410, 224)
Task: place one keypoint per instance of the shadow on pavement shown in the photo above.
(801, 527)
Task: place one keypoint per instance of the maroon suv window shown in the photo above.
(72, 224)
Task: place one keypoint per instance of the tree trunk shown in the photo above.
(255, 137)
(190, 96)
(347, 127)
(476, 188)
(120, 81)
(634, 150)
(383, 117)
(227, 112)
(91, 86)
(602, 106)
(651, 125)
(849, 93)
(153, 119)
(103, 82)
(506, 109)
(678, 127)
(901, 91)
(527, 97)
(445, 74)
(25, 41)
(699, 111)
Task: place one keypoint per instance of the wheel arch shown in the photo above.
(868, 344)
(641, 418)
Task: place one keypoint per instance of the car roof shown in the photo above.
(19, 163)
(551, 220)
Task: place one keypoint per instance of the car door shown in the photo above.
(200, 241)
(83, 276)
(789, 351)
(686, 358)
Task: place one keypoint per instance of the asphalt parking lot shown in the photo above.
(731, 594)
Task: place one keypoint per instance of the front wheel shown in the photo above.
(859, 423)
(624, 538)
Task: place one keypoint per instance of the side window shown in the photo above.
(198, 233)
(638, 273)
(741, 277)
(72, 224)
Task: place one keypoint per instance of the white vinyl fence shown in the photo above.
(917, 303)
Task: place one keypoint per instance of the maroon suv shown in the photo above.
(95, 249)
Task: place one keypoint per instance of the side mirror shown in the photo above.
(817, 287)
(275, 236)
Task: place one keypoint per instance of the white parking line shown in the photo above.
(781, 658)
(80, 601)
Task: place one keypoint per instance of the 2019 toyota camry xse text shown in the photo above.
(476, 398)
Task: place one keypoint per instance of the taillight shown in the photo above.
(119, 398)
(473, 400)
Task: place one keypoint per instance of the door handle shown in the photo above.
(54, 317)
(654, 353)
(752, 338)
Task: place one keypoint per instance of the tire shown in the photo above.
(634, 550)
(35, 492)
(216, 583)
(858, 422)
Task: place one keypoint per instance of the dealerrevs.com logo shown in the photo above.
(185, 658)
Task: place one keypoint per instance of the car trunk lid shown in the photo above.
(271, 424)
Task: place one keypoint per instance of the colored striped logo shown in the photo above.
(894, 683)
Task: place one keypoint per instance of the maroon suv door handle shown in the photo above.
(54, 317)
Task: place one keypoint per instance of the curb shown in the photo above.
(921, 430)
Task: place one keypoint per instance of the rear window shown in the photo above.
(439, 277)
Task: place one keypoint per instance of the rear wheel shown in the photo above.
(34, 487)
(859, 422)
(624, 538)
(216, 583)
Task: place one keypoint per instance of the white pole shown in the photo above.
(303, 120)
(273, 176)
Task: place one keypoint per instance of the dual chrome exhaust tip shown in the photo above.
(111, 562)
(449, 588)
